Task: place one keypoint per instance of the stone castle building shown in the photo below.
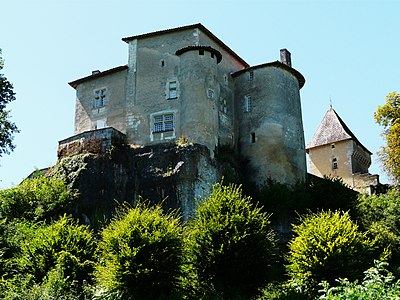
(336, 152)
(185, 83)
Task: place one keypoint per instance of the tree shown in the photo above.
(231, 245)
(379, 216)
(328, 246)
(388, 116)
(7, 128)
(141, 255)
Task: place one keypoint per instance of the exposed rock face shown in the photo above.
(165, 173)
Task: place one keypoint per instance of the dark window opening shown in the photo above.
(201, 52)
(162, 63)
(251, 75)
(334, 164)
(212, 55)
(253, 137)
(333, 146)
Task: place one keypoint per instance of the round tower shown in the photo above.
(271, 137)
(199, 92)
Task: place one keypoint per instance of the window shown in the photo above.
(251, 75)
(162, 63)
(210, 93)
(172, 90)
(100, 98)
(201, 52)
(333, 146)
(225, 78)
(163, 123)
(253, 137)
(247, 104)
(222, 105)
(334, 164)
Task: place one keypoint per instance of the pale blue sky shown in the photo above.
(347, 51)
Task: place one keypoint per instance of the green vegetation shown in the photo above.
(141, 255)
(388, 116)
(378, 283)
(7, 128)
(231, 244)
(228, 250)
(327, 246)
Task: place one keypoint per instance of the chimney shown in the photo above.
(95, 72)
(285, 57)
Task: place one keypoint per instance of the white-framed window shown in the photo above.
(100, 98)
(163, 122)
(210, 93)
(172, 90)
(247, 104)
(334, 163)
(251, 75)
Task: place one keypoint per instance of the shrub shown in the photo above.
(379, 215)
(141, 255)
(230, 244)
(328, 245)
(36, 199)
(62, 245)
(378, 283)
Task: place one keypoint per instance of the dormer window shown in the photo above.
(100, 98)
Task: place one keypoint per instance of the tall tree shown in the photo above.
(388, 115)
(7, 128)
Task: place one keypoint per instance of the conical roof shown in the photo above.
(331, 130)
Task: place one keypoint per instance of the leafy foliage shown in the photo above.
(36, 199)
(388, 116)
(313, 195)
(328, 245)
(141, 255)
(231, 245)
(378, 283)
(379, 215)
(55, 259)
(7, 128)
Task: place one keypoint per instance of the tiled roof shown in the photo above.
(97, 75)
(276, 64)
(332, 129)
(189, 27)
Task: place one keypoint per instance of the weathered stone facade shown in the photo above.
(335, 151)
(186, 83)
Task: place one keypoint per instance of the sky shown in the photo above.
(348, 52)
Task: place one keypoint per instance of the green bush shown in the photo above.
(230, 244)
(141, 255)
(36, 199)
(61, 245)
(378, 283)
(379, 215)
(328, 245)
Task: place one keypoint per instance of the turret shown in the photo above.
(199, 92)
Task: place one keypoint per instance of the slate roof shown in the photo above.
(331, 130)
(75, 83)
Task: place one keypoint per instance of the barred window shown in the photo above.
(163, 123)
(334, 164)
(251, 75)
(100, 98)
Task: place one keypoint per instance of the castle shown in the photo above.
(186, 83)
(336, 152)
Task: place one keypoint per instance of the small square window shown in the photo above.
(100, 98)
(201, 52)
